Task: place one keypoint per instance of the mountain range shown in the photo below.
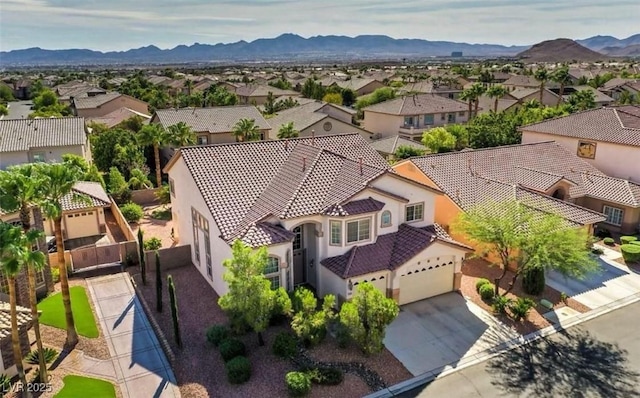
(286, 47)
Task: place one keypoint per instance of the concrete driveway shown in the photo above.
(442, 332)
(613, 282)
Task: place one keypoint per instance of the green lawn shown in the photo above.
(78, 386)
(53, 312)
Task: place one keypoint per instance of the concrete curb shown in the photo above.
(489, 353)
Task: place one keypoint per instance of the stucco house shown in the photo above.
(543, 176)
(361, 86)
(410, 116)
(607, 138)
(256, 94)
(104, 104)
(42, 140)
(329, 210)
(387, 146)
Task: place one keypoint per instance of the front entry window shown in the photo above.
(297, 240)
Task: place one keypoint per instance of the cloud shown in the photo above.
(123, 24)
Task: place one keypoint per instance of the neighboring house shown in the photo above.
(543, 176)
(316, 118)
(607, 138)
(256, 94)
(409, 116)
(330, 212)
(600, 98)
(361, 86)
(521, 81)
(430, 87)
(118, 116)
(104, 104)
(76, 89)
(22, 89)
(42, 140)
(387, 147)
(506, 103)
(7, 362)
(523, 95)
(615, 87)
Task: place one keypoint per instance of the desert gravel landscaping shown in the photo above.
(200, 371)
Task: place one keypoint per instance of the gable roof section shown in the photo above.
(302, 116)
(618, 125)
(285, 178)
(118, 116)
(97, 197)
(389, 251)
(354, 207)
(261, 90)
(212, 120)
(18, 135)
(390, 144)
(95, 101)
(608, 188)
(418, 104)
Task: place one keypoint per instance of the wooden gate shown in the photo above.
(90, 256)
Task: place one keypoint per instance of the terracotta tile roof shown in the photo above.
(522, 81)
(608, 188)
(118, 116)
(261, 90)
(285, 178)
(570, 212)
(302, 116)
(95, 101)
(618, 125)
(354, 207)
(213, 120)
(93, 190)
(24, 318)
(390, 144)
(389, 252)
(18, 135)
(418, 104)
(265, 234)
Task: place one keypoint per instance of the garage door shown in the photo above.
(80, 225)
(379, 282)
(426, 282)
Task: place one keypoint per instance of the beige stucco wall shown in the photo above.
(630, 216)
(225, 138)
(336, 113)
(615, 160)
(113, 105)
(337, 127)
(548, 98)
(51, 154)
(389, 125)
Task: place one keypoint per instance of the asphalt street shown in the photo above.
(598, 358)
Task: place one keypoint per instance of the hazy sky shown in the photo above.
(124, 24)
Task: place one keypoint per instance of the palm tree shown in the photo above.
(19, 190)
(467, 95)
(287, 131)
(246, 130)
(139, 180)
(59, 180)
(562, 77)
(477, 89)
(180, 134)
(542, 75)
(496, 92)
(154, 135)
(11, 251)
(582, 100)
(188, 84)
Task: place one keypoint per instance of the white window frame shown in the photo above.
(335, 233)
(413, 205)
(611, 213)
(41, 155)
(359, 238)
(203, 139)
(273, 276)
(385, 224)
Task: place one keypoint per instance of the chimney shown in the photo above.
(304, 164)
(360, 161)
(313, 138)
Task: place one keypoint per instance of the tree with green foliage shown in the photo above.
(439, 140)
(367, 316)
(333, 98)
(4, 111)
(156, 136)
(46, 105)
(116, 147)
(139, 180)
(89, 171)
(522, 237)
(134, 123)
(582, 100)
(281, 83)
(599, 80)
(313, 89)
(6, 94)
(462, 135)
(141, 257)
(379, 95)
(158, 283)
(250, 299)
(626, 98)
(309, 323)
(219, 96)
(270, 104)
(118, 186)
(348, 96)
(542, 75)
(407, 151)
(246, 130)
(174, 311)
(287, 131)
(496, 92)
(562, 77)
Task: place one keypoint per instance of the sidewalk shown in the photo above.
(141, 367)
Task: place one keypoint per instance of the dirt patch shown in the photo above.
(200, 370)
(474, 269)
(154, 228)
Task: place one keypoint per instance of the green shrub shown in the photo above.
(487, 291)
(216, 334)
(533, 280)
(500, 304)
(481, 282)
(342, 335)
(298, 383)
(635, 242)
(630, 253)
(231, 348)
(238, 370)
(152, 244)
(608, 241)
(625, 240)
(521, 307)
(55, 274)
(603, 233)
(285, 345)
(162, 214)
(5, 383)
(49, 356)
(132, 212)
(326, 376)
(597, 251)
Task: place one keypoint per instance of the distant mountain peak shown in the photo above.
(559, 50)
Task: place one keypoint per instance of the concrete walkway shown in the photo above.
(140, 365)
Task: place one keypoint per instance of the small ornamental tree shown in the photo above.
(250, 299)
(143, 266)
(158, 284)
(439, 140)
(309, 323)
(367, 316)
(174, 311)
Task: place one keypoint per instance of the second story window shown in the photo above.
(414, 212)
(336, 233)
(428, 120)
(203, 140)
(272, 272)
(408, 121)
(358, 230)
(385, 219)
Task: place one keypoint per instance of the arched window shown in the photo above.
(385, 219)
(272, 271)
